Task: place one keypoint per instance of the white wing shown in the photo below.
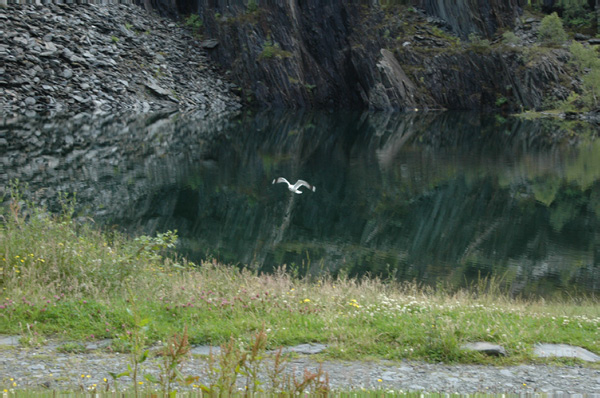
(280, 179)
(300, 183)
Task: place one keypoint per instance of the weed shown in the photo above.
(174, 353)
(30, 337)
(135, 337)
(248, 361)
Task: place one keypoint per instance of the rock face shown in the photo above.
(108, 57)
(345, 54)
(474, 16)
(308, 54)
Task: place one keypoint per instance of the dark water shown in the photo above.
(434, 198)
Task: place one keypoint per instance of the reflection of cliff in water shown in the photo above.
(427, 197)
(109, 161)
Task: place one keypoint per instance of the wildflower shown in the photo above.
(306, 300)
(379, 380)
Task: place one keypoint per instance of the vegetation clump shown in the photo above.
(252, 6)
(510, 38)
(586, 60)
(194, 23)
(551, 31)
(273, 50)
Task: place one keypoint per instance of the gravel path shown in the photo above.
(47, 368)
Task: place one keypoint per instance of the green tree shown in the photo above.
(551, 30)
(586, 60)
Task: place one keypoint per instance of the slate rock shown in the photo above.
(485, 348)
(209, 44)
(9, 340)
(308, 349)
(205, 350)
(154, 87)
(564, 350)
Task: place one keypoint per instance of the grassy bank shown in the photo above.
(66, 279)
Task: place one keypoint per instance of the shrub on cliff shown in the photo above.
(586, 60)
(551, 30)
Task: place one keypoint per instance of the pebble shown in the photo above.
(119, 56)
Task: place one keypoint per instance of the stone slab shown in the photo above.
(308, 349)
(564, 350)
(9, 340)
(485, 348)
(205, 350)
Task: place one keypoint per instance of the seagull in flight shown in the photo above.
(296, 187)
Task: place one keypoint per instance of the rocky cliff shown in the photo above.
(418, 54)
(473, 16)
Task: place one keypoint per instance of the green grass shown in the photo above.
(66, 280)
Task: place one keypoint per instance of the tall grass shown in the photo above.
(67, 279)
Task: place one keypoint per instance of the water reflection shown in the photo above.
(434, 197)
